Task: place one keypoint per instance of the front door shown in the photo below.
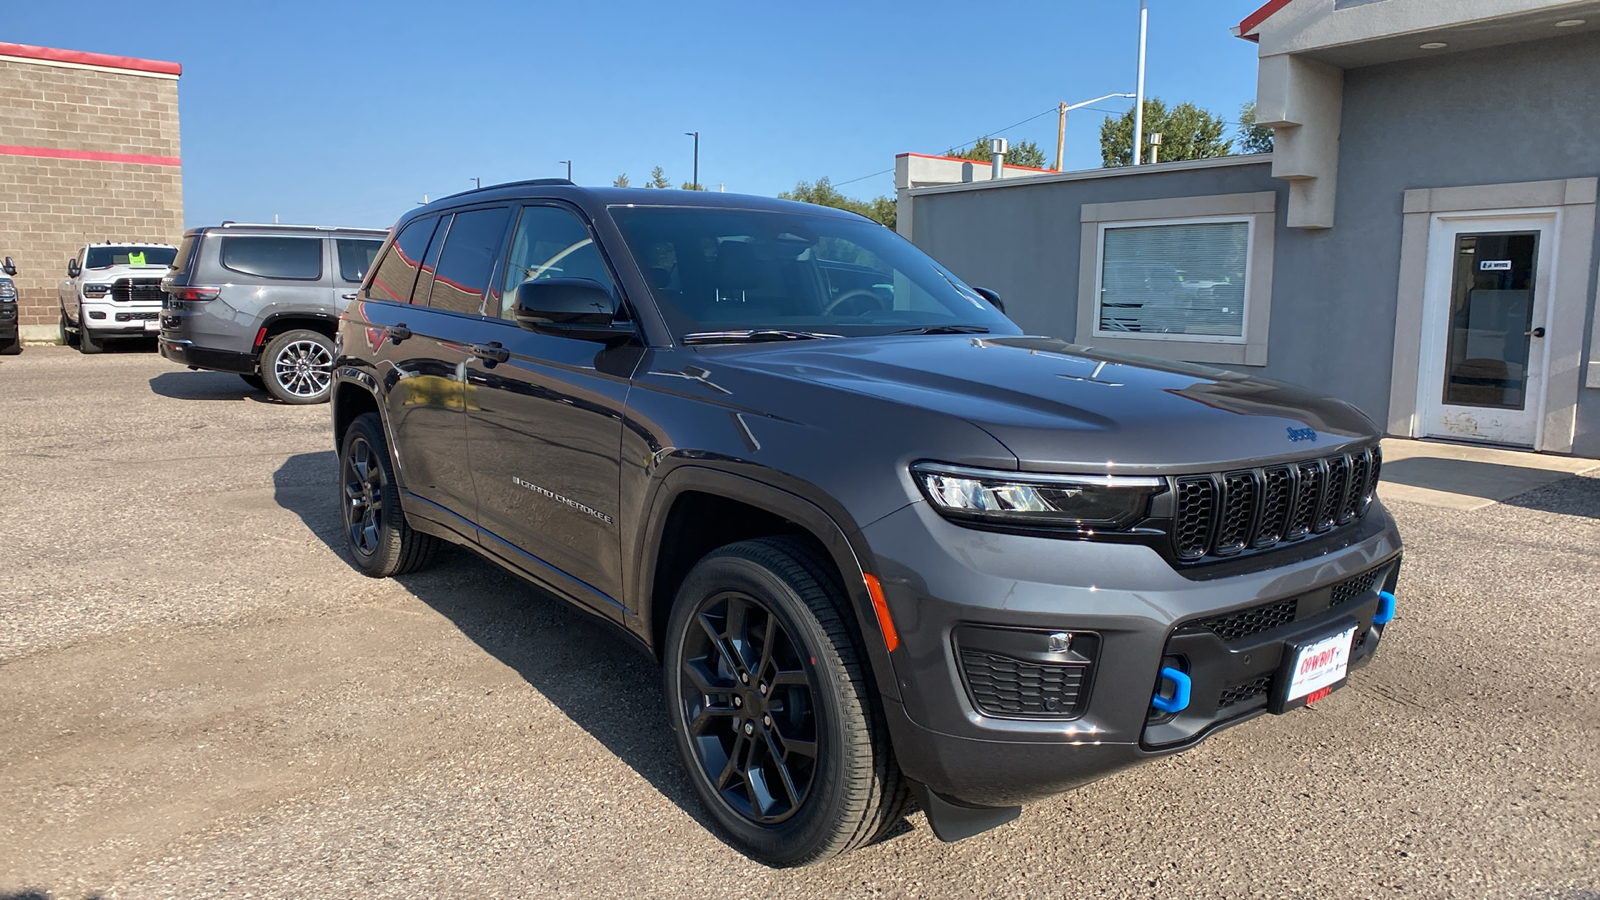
(1486, 308)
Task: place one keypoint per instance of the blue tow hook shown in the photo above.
(1385, 613)
(1179, 701)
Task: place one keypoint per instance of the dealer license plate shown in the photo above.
(1312, 668)
(152, 325)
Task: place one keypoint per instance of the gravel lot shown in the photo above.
(199, 696)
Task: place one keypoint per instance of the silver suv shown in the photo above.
(264, 301)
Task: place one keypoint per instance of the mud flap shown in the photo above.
(952, 821)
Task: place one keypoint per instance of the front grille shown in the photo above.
(138, 316)
(1245, 622)
(1239, 693)
(125, 290)
(1007, 686)
(1352, 588)
(1225, 514)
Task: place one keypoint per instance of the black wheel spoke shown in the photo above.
(738, 759)
(710, 718)
(788, 678)
(779, 763)
(729, 656)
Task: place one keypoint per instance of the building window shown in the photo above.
(1183, 280)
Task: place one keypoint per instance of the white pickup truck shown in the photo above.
(113, 291)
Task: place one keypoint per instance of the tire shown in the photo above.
(87, 342)
(254, 381)
(67, 335)
(12, 347)
(297, 366)
(380, 540)
(819, 777)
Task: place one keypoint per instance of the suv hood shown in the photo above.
(1063, 407)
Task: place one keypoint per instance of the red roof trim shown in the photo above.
(90, 155)
(965, 160)
(1254, 20)
(84, 58)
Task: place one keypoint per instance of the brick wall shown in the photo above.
(50, 207)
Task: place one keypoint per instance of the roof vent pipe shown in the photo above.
(997, 154)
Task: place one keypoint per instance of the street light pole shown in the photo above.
(569, 167)
(1138, 109)
(696, 136)
(477, 182)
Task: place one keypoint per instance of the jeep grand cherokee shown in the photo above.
(885, 545)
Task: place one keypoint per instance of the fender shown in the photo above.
(329, 319)
(849, 552)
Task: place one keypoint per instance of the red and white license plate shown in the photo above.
(1313, 668)
(152, 324)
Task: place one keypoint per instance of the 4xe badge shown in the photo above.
(1302, 434)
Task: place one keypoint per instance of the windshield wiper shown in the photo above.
(945, 329)
(752, 335)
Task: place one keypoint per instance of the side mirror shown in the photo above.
(570, 307)
(73, 270)
(992, 297)
(10, 268)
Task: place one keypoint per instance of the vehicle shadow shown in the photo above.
(591, 673)
(206, 386)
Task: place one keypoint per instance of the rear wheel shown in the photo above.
(297, 366)
(375, 528)
(770, 703)
(87, 342)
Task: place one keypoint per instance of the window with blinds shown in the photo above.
(1183, 278)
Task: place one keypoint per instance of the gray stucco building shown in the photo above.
(1422, 241)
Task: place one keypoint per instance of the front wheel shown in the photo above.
(771, 705)
(297, 366)
(68, 338)
(380, 539)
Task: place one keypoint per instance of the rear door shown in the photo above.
(545, 423)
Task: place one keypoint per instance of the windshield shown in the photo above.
(718, 271)
(106, 257)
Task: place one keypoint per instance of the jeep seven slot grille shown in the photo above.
(1220, 515)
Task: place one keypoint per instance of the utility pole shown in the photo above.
(696, 136)
(1061, 127)
(1138, 109)
(569, 168)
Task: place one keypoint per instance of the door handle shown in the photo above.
(349, 296)
(491, 352)
(398, 333)
(1537, 332)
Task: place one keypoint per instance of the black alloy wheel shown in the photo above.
(380, 539)
(750, 707)
(772, 704)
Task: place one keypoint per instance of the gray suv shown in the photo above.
(264, 301)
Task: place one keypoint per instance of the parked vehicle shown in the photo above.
(112, 291)
(10, 341)
(263, 301)
(884, 544)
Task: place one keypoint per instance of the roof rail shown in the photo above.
(548, 182)
(271, 225)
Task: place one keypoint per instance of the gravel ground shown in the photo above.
(200, 697)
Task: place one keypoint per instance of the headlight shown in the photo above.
(8, 291)
(96, 290)
(1080, 502)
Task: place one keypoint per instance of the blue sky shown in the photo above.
(348, 113)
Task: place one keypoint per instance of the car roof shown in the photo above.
(561, 189)
(128, 244)
(269, 228)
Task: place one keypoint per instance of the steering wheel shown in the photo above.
(852, 296)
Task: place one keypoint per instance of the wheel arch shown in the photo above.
(723, 508)
(275, 324)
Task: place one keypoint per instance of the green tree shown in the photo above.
(823, 193)
(621, 180)
(1253, 138)
(691, 186)
(658, 179)
(1021, 153)
(1187, 132)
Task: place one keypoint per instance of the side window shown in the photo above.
(355, 258)
(551, 242)
(396, 273)
(470, 251)
(274, 257)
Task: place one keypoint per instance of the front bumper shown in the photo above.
(1019, 732)
(125, 319)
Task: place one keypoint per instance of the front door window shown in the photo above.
(1491, 318)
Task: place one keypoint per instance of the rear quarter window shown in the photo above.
(396, 273)
(299, 259)
(355, 258)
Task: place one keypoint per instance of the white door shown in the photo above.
(1485, 310)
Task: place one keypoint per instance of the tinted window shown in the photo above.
(397, 273)
(106, 257)
(470, 250)
(550, 243)
(180, 262)
(274, 257)
(355, 257)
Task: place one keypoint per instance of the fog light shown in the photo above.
(97, 315)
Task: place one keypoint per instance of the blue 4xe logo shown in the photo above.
(1302, 434)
